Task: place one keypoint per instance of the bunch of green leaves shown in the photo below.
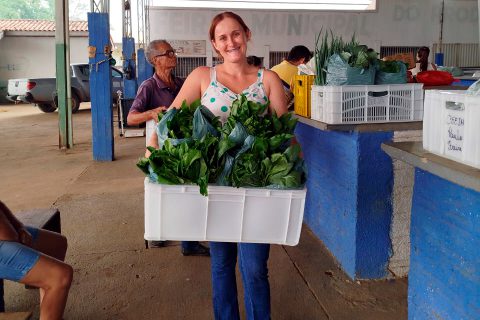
(326, 45)
(391, 66)
(181, 125)
(269, 160)
(258, 142)
(362, 57)
(249, 114)
(254, 169)
(186, 163)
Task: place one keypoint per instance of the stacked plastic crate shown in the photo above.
(450, 126)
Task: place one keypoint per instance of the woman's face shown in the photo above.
(231, 40)
(164, 59)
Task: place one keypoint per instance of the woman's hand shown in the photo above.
(154, 113)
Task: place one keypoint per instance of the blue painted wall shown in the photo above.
(101, 88)
(444, 278)
(348, 202)
(374, 205)
(145, 69)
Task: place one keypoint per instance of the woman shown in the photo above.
(422, 62)
(34, 257)
(218, 87)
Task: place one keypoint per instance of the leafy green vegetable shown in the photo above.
(389, 66)
(327, 44)
(252, 148)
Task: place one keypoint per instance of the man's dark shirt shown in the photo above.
(154, 93)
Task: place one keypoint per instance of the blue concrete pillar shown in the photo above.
(101, 88)
(129, 68)
(348, 204)
(145, 69)
(444, 277)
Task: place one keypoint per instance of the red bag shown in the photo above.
(435, 78)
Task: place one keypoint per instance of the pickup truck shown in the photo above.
(42, 91)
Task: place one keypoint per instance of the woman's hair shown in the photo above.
(422, 55)
(219, 17)
(152, 49)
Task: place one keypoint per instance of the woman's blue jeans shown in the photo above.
(253, 267)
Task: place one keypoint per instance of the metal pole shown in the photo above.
(62, 54)
(441, 27)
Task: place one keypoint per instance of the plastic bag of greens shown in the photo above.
(231, 147)
(164, 131)
(204, 121)
(340, 73)
(391, 72)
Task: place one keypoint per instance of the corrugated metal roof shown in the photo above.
(38, 25)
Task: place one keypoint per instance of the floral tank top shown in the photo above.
(218, 98)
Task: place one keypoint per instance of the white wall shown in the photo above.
(34, 57)
(395, 23)
(22, 57)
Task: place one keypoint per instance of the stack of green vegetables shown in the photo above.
(328, 44)
(252, 149)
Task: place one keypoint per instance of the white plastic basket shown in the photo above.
(367, 103)
(451, 126)
(227, 214)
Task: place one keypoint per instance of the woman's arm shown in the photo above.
(275, 92)
(192, 87)
(152, 142)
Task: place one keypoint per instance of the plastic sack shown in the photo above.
(202, 119)
(243, 143)
(474, 89)
(340, 73)
(434, 78)
(455, 71)
(400, 77)
(162, 129)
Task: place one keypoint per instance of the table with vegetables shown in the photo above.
(349, 203)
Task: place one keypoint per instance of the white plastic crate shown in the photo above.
(367, 103)
(451, 126)
(227, 214)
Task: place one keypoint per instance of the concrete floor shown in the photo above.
(101, 205)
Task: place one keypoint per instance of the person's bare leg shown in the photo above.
(55, 278)
(51, 244)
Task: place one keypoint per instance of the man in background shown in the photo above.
(289, 67)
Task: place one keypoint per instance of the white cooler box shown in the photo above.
(354, 104)
(227, 214)
(451, 126)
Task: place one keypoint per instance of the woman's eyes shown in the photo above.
(235, 35)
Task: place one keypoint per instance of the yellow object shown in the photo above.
(286, 71)
(302, 85)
